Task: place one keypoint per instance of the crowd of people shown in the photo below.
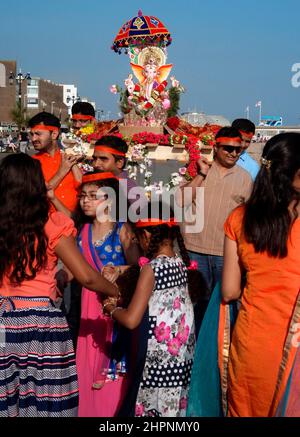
(17, 143)
(162, 322)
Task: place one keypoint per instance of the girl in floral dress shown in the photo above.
(162, 286)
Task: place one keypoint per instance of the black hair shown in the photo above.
(159, 210)
(116, 143)
(267, 219)
(228, 131)
(244, 124)
(45, 118)
(84, 108)
(24, 210)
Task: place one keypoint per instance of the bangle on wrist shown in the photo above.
(200, 173)
(105, 305)
(113, 310)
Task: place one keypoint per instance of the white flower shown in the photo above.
(113, 89)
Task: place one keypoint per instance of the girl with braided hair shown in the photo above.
(162, 293)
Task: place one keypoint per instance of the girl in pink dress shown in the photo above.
(105, 245)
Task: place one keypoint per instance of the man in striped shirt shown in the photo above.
(226, 186)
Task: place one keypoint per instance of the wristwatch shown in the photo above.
(202, 174)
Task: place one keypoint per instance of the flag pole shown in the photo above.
(248, 112)
(260, 113)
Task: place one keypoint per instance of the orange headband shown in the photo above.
(44, 127)
(98, 177)
(238, 139)
(103, 148)
(155, 222)
(82, 117)
(248, 135)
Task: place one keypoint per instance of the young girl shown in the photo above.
(162, 286)
(108, 245)
(37, 361)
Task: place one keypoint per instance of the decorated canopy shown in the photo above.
(141, 31)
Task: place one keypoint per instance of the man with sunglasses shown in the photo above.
(247, 130)
(226, 185)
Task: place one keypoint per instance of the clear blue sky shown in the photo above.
(227, 54)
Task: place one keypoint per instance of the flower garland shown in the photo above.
(79, 143)
(138, 154)
(192, 146)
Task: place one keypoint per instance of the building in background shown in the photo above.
(70, 96)
(36, 95)
(45, 95)
(271, 120)
(8, 93)
(200, 119)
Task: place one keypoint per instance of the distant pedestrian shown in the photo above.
(23, 139)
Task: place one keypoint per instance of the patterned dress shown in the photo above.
(170, 342)
(100, 339)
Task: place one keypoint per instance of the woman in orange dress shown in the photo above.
(263, 240)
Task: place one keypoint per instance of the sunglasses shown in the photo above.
(92, 196)
(230, 149)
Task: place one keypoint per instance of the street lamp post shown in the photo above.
(19, 80)
(52, 103)
(74, 99)
(99, 113)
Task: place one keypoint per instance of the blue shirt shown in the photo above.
(249, 164)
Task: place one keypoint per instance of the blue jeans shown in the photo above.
(211, 267)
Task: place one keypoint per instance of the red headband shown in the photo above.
(221, 139)
(103, 148)
(155, 222)
(98, 177)
(247, 134)
(44, 127)
(82, 117)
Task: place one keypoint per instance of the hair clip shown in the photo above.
(193, 265)
(143, 261)
(265, 162)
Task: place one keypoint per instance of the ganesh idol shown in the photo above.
(152, 73)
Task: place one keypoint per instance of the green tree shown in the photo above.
(19, 115)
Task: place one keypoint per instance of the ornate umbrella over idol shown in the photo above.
(141, 31)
